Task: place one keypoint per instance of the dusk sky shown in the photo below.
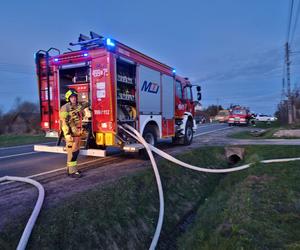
(234, 49)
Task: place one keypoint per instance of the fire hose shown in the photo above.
(30, 224)
(149, 148)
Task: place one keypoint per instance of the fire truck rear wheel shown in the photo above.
(188, 137)
(149, 135)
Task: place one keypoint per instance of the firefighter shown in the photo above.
(71, 116)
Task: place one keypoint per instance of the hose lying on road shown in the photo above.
(137, 136)
(30, 224)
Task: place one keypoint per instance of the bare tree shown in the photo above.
(22, 118)
(282, 108)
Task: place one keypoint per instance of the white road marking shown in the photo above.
(205, 126)
(64, 168)
(208, 132)
(10, 156)
(23, 146)
(55, 170)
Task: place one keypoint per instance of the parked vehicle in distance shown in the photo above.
(201, 117)
(265, 118)
(222, 116)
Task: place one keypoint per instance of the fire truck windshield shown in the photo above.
(239, 112)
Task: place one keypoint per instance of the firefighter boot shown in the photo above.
(73, 151)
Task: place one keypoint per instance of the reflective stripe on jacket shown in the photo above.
(71, 118)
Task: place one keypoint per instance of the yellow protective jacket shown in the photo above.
(71, 118)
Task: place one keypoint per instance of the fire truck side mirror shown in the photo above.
(199, 96)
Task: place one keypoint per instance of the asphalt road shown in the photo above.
(23, 161)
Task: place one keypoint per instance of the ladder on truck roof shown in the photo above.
(38, 55)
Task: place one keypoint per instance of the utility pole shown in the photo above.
(283, 90)
(287, 60)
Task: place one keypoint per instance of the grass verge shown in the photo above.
(270, 128)
(247, 134)
(258, 208)
(14, 140)
(123, 215)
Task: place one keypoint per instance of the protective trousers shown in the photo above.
(72, 154)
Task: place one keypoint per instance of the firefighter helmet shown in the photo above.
(70, 92)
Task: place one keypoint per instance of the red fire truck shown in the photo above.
(122, 86)
(239, 115)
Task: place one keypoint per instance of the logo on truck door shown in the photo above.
(150, 87)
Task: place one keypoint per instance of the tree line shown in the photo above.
(282, 108)
(22, 118)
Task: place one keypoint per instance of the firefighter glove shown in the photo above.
(68, 138)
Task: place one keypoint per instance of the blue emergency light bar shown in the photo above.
(95, 41)
(109, 42)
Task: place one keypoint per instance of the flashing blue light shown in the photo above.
(109, 42)
(55, 59)
(85, 54)
(173, 71)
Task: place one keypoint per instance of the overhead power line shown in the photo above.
(16, 68)
(296, 21)
(290, 21)
(17, 72)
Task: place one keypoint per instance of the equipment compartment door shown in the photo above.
(168, 105)
(150, 93)
(75, 77)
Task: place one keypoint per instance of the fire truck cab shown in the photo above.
(239, 116)
(122, 86)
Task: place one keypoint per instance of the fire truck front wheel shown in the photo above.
(188, 137)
